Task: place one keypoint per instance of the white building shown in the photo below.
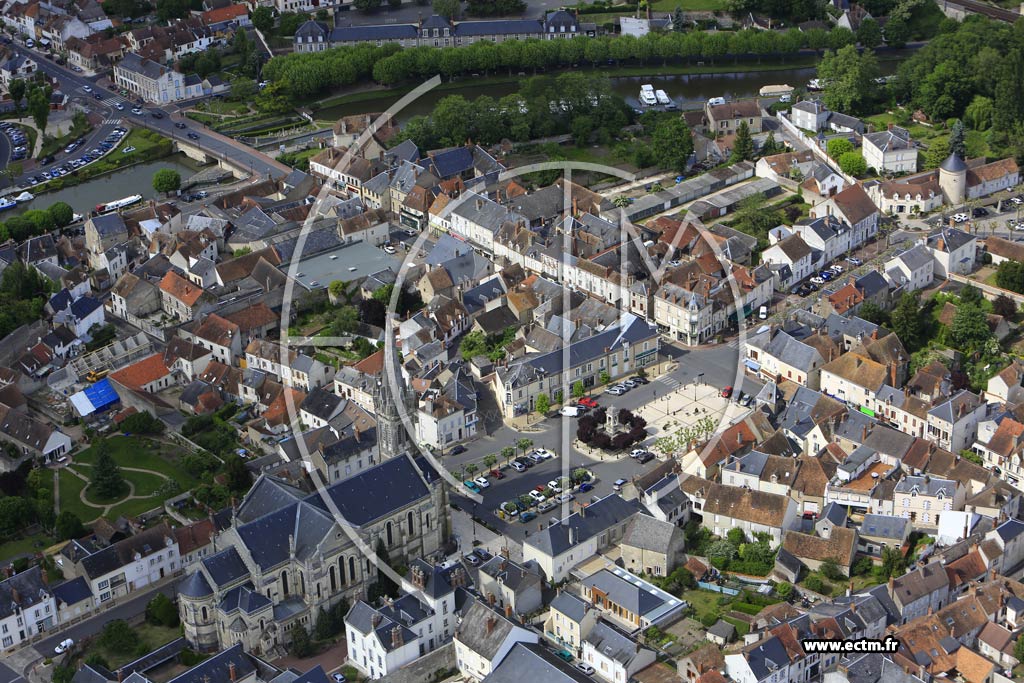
(912, 269)
(27, 607)
(890, 151)
(153, 82)
(128, 565)
(484, 637)
(614, 655)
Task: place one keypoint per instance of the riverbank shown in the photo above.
(652, 70)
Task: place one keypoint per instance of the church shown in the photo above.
(288, 552)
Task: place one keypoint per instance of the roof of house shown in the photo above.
(142, 372)
(124, 552)
(483, 630)
(180, 288)
(840, 545)
(759, 507)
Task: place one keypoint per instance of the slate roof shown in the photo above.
(622, 588)
(225, 567)
(473, 631)
(217, 667)
(600, 516)
(195, 586)
(884, 526)
(118, 555)
(109, 224)
(244, 598)
(22, 591)
(72, 592)
(612, 643)
(534, 663)
(572, 606)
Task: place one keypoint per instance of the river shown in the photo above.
(688, 91)
(124, 183)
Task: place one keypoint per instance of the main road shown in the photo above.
(84, 90)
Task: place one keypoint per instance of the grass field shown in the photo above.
(25, 546)
(126, 452)
(150, 635)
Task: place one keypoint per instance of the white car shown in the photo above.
(518, 466)
(762, 312)
(959, 217)
(615, 391)
(1016, 200)
(87, 88)
(544, 453)
(482, 482)
(585, 668)
(128, 150)
(836, 269)
(538, 496)
(817, 280)
(536, 457)
(64, 646)
(636, 452)
(565, 497)
(388, 249)
(553, 485)
(119, 106)
(570, 411)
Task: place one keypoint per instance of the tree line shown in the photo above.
(305, 75)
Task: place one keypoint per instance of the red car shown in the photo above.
(540, 488)
(497, 474)
(588, 402)
(727, 392)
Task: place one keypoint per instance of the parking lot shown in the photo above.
(106, 146)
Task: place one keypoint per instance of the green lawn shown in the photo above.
(70, 492)
(23, 546)
(133, 451)
(145, 484)
(704, 602)
(690, 5)
(742, 627)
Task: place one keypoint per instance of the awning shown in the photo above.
(752, 365)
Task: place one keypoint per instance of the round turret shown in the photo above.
(953, 179)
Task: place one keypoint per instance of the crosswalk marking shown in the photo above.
(669, 381)
(111, 122)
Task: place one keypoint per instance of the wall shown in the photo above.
(817, 151)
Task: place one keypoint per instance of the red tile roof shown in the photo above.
(180, 288)
(142, 372)
(215, 16)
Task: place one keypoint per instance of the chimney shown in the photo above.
(396, 637)
(15, 596)
(489, 624)
(491, 599)
(864, 433)
(231, 671)
(890, 125)
(375, 620)
(120, 676)
(892, 585)
(508, 612)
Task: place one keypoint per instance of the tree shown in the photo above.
(243, 89)
(743, 146)
(907, 323)
(69, 526)
(118, 636)
(1009, 275)
(969, 330)
(849, 77)
(17, 91)
(449, 9)
(678, 20)
(107, 480)
(978, 114)
(490, 460)
(784, 590)
(736, 536)
(852, 163)
(262, 18)
(771, 146)
(830, 568)
(604, 378)
(289, 22)
(1018, 648)
(957, 145)
(171, 9)
(471, 468)
(1004, 306)
(161, 611)
(366, 5)
(301, 645)
(837, 147)
(971, 295)
(166, 180)
(142, 423)
(869, 34)
(722, 550)
(873, 313)
(61, 213)
(543, 404)
(523, 444)
(672, 143)
(896, 32)
(39, 107)
(578, 390)
(238, 478)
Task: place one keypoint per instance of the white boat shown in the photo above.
(647, 95)
(663, 97)
(7, 203)
(118, 204)
(25, 197)
(814, 84)
(716, 101)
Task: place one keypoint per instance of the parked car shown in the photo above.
(157, 114)
(614, 391)
(836, 268)
(527, 517)
(455, 450)
(959, 217)
(547, 506)
(645, 458)
(571, 411)
(517, 466)
(585, 668)
(638, 378)
(618, 484)
(179, 124)
(817, 280)
(339, 677)
(388, 249)
(482, 554)
(128, 150)
(497, 474)
(636, 451)
(587, 401)
(762, 312)
(544, 453)
(537, 496)
(855, 261)
(747, 400)
(64, 646)
(979, 211)
(586, 487)
(87, 88)
(471, 485)
(554, 486)
(727, 391)
(482, 482)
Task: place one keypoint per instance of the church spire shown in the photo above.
(392, 439)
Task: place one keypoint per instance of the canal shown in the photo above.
(135, 180)
(688, 91)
